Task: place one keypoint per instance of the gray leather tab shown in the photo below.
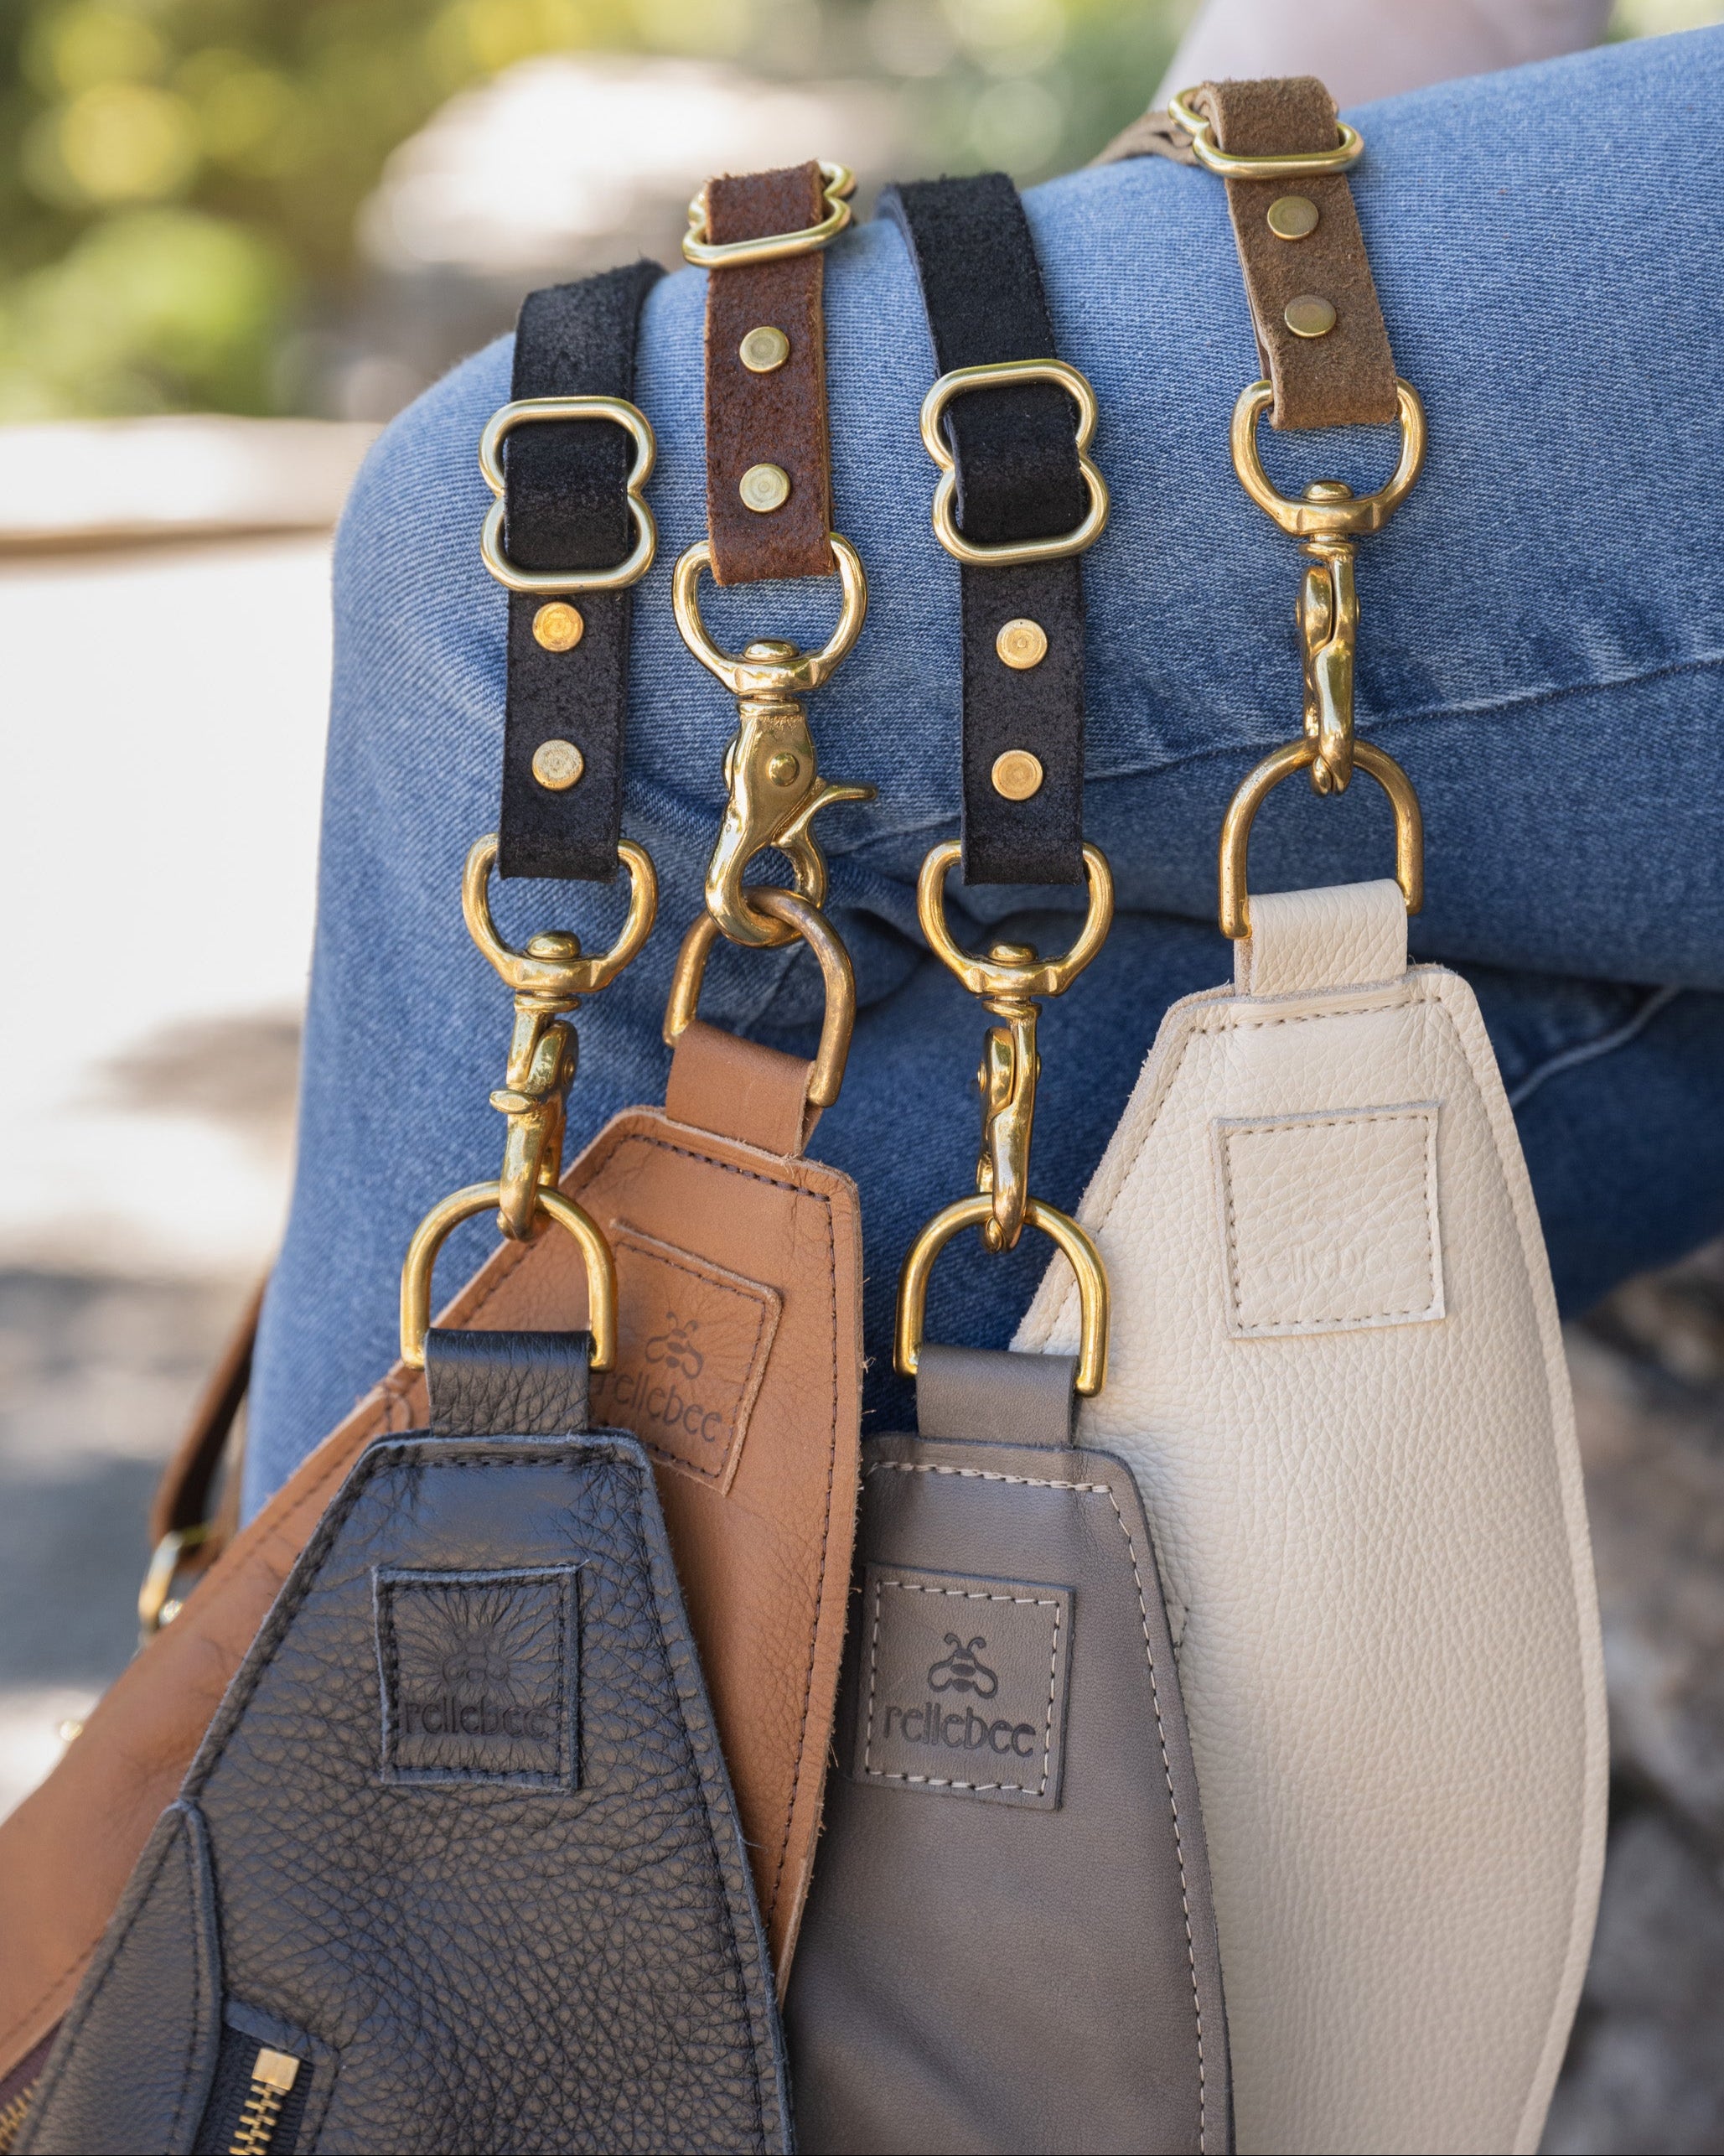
(996, 1395)
(132, 2068)
(1005, 1975)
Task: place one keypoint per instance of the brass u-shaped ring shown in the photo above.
(432, 1232)
(1080, 1252)
(1298, 756)
(984, 975)
(817, 932)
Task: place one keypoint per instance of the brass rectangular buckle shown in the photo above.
(771, 247)
(1007, 373)
(528, 410)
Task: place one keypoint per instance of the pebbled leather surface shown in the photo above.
(496, 1966)
(132, 2064)
(1341, 936)
(506, 1384)
(979, 1975)
(1373, 1544)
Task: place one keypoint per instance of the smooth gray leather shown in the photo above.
(1013, 1975)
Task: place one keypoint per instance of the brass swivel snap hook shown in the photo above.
(550, 977)
(1008, 980)
(775, 789)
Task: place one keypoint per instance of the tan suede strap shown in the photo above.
(766, 417)
(1344, 375)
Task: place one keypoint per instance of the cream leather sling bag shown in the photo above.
(1338, 1377)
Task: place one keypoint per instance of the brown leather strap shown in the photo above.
(182, 1498)
(738, 1089)
(774, 415)
(1344, 377)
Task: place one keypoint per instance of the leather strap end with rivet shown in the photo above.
(1313, 300)
(1018, 500)
(769, 467)
(571, 455)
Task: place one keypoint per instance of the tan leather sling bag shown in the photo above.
(738, 1360)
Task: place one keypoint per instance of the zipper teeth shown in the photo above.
(256, 2127)
(13, 2115)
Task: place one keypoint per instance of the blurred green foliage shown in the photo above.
(179, 178)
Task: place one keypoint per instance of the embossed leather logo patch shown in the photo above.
(963, 1685)
(479, 1676)
(691, 1350)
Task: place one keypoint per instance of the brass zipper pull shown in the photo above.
(273, 2074)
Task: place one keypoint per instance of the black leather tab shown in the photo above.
(468, 1824)
(1017, 478)
(507, 1385)
(566, 508)
(993, 1395)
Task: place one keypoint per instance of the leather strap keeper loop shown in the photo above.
(1019, 478)
(566, 506)
(1342, 375)
(769, 417)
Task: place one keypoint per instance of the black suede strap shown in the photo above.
(1017, 478)
(566, 508)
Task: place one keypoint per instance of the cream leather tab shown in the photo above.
(1350, 935)
(1330, 1220)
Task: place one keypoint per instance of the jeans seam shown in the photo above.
(1589, 1051)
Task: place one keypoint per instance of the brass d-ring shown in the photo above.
(568, 975)
(1298, 756)
(826, 1075)
(428, 1238)
(990, 975)
(1347, 517)
(1080, 1252)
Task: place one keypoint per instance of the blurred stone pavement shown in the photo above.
(98, 1374)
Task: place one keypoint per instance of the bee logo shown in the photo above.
(963, 1669)
(674, 1348)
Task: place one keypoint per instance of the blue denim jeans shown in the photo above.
(1542, 647)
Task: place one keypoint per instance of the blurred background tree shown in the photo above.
(181, 180)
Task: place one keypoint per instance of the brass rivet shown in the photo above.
(557, 765)
(559, 626)
(762, 350)
(1292, 217)
(1017, 774)
(1022, 644)
(782, 769)
(1309, 315)
(763, 487)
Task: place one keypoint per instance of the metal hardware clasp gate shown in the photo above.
(1008, 980)
(549, 977)
(775, 789)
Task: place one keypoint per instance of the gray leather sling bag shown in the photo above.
(1010, 1943)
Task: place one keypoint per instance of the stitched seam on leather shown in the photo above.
(778, 1876)
(1282, 1328)
(1104, 1490)
(966, 1594)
